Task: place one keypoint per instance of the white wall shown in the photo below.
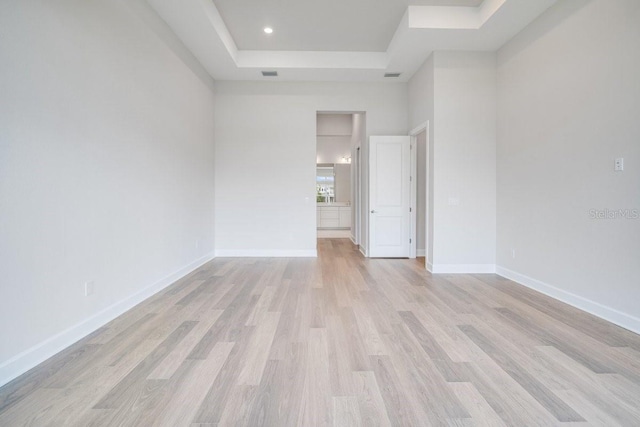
(334, 125)
(421, 94)
(464, 146)
(456, 93)
(106, 170)
(569, 103)
(333, 149)
(334, 137)
(421, 111)
(275, 123)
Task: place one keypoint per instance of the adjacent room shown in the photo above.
(334, 188)
(335, 213)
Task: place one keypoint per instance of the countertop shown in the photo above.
(334, 204)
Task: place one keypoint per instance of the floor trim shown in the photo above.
(333, 234)
(461, 268)
(607, 313)
(37, 354)
(266, 253)
(362, 251)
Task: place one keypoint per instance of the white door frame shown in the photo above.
(357, 195)
(414, 196)
(424, 127)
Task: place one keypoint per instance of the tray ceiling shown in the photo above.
(338, 40)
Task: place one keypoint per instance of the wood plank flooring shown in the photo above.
(338, 340)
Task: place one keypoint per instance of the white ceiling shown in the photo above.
(338, 40)
(327, 25)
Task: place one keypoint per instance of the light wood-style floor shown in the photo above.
(339, 340)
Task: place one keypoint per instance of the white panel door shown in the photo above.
(389, 196)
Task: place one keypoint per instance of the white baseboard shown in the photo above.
(461, 268)
(429, 266)
(353, 240)
(421, 252)
(37, 354)
(612, 315)
(363, 251)
(266, 253)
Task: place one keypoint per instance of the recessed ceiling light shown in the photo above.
(268, 30)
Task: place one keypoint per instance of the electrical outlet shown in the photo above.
(619, 164)
(513, 253)
(89, 288)
(197, 243)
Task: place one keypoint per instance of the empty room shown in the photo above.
(319, 213)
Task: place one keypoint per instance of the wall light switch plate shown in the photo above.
(619, 164)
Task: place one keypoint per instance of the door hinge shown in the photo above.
(410, 178)
(410, 210)
(409, 240)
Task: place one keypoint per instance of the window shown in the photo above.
(325, 183)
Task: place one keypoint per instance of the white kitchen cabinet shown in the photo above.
(333, 217)
(329, 217)
(345, 217)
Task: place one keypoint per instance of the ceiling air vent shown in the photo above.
(392, 74)
(270, 73)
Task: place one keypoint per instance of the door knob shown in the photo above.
(373, 211)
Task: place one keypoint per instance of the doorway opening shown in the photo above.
(339, 137)
(421, 191)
